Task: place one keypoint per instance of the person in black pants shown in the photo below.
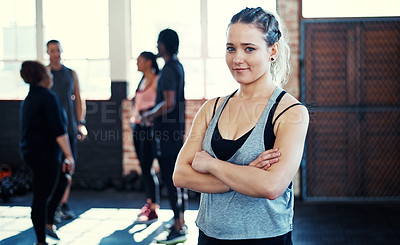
(66, 87)
(168, 117)
(43, 136)
(143, 135)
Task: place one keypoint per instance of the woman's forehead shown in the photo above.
(244, 33)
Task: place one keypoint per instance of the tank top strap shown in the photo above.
(273, 109)
(215, 106)
(287, 108)
(217, 114)
(211, 127)
(264, 116)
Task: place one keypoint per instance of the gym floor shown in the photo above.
(107, 218)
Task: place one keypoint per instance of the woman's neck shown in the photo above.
(149, 75)
(262, 87)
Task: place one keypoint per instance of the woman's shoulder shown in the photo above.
(289, 98)
(214, 103)
(209, 107)
(290, 108)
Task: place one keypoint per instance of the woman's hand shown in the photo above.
(145, 118)
(69, 165)
(266, 159)
(201, 162)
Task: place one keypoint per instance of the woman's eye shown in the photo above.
(230, 49)
(250, 49)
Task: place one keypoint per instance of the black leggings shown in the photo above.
(285, 239)
(178, 197)
(143, 139)
(49, 183)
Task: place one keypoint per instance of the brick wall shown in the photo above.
(289, 10)
(129, 160)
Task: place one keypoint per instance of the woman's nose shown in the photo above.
(238, 58)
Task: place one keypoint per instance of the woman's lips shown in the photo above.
(240, 69)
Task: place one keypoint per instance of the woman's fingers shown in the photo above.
(268, 163)
(270, 154)
(266, 159)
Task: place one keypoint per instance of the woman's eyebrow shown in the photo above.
(243, 44)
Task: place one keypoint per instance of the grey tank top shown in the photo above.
(233, 216)
(63, 86)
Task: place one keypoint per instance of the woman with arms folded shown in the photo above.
(244, 149)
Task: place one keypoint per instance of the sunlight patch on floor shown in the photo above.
(92, 226)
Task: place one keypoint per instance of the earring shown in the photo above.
(272, 59)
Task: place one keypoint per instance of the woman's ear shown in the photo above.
(273, 55)
(149, 63)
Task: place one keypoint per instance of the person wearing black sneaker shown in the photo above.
(66, 86)
(168, 118)
(43, 138)
(244, 150)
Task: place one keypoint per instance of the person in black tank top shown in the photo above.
(243, 163)
(66, 86)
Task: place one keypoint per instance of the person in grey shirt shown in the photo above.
(243, 150)
(66, 86)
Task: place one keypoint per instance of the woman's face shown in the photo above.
(247, 55)
(142, 63)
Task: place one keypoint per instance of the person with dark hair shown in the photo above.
(168, 117)
(66, 86)
(43, 136)
(243, 161)
(143, 134)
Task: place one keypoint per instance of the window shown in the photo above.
(206, 73)
(83, 34)
(151, 17)
(18, 43)
(354, 8)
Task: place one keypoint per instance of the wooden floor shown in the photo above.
(108, 217)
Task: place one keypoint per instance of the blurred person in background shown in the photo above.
(66, 86)
(168, 117)
(43, 138)
(143, 134)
